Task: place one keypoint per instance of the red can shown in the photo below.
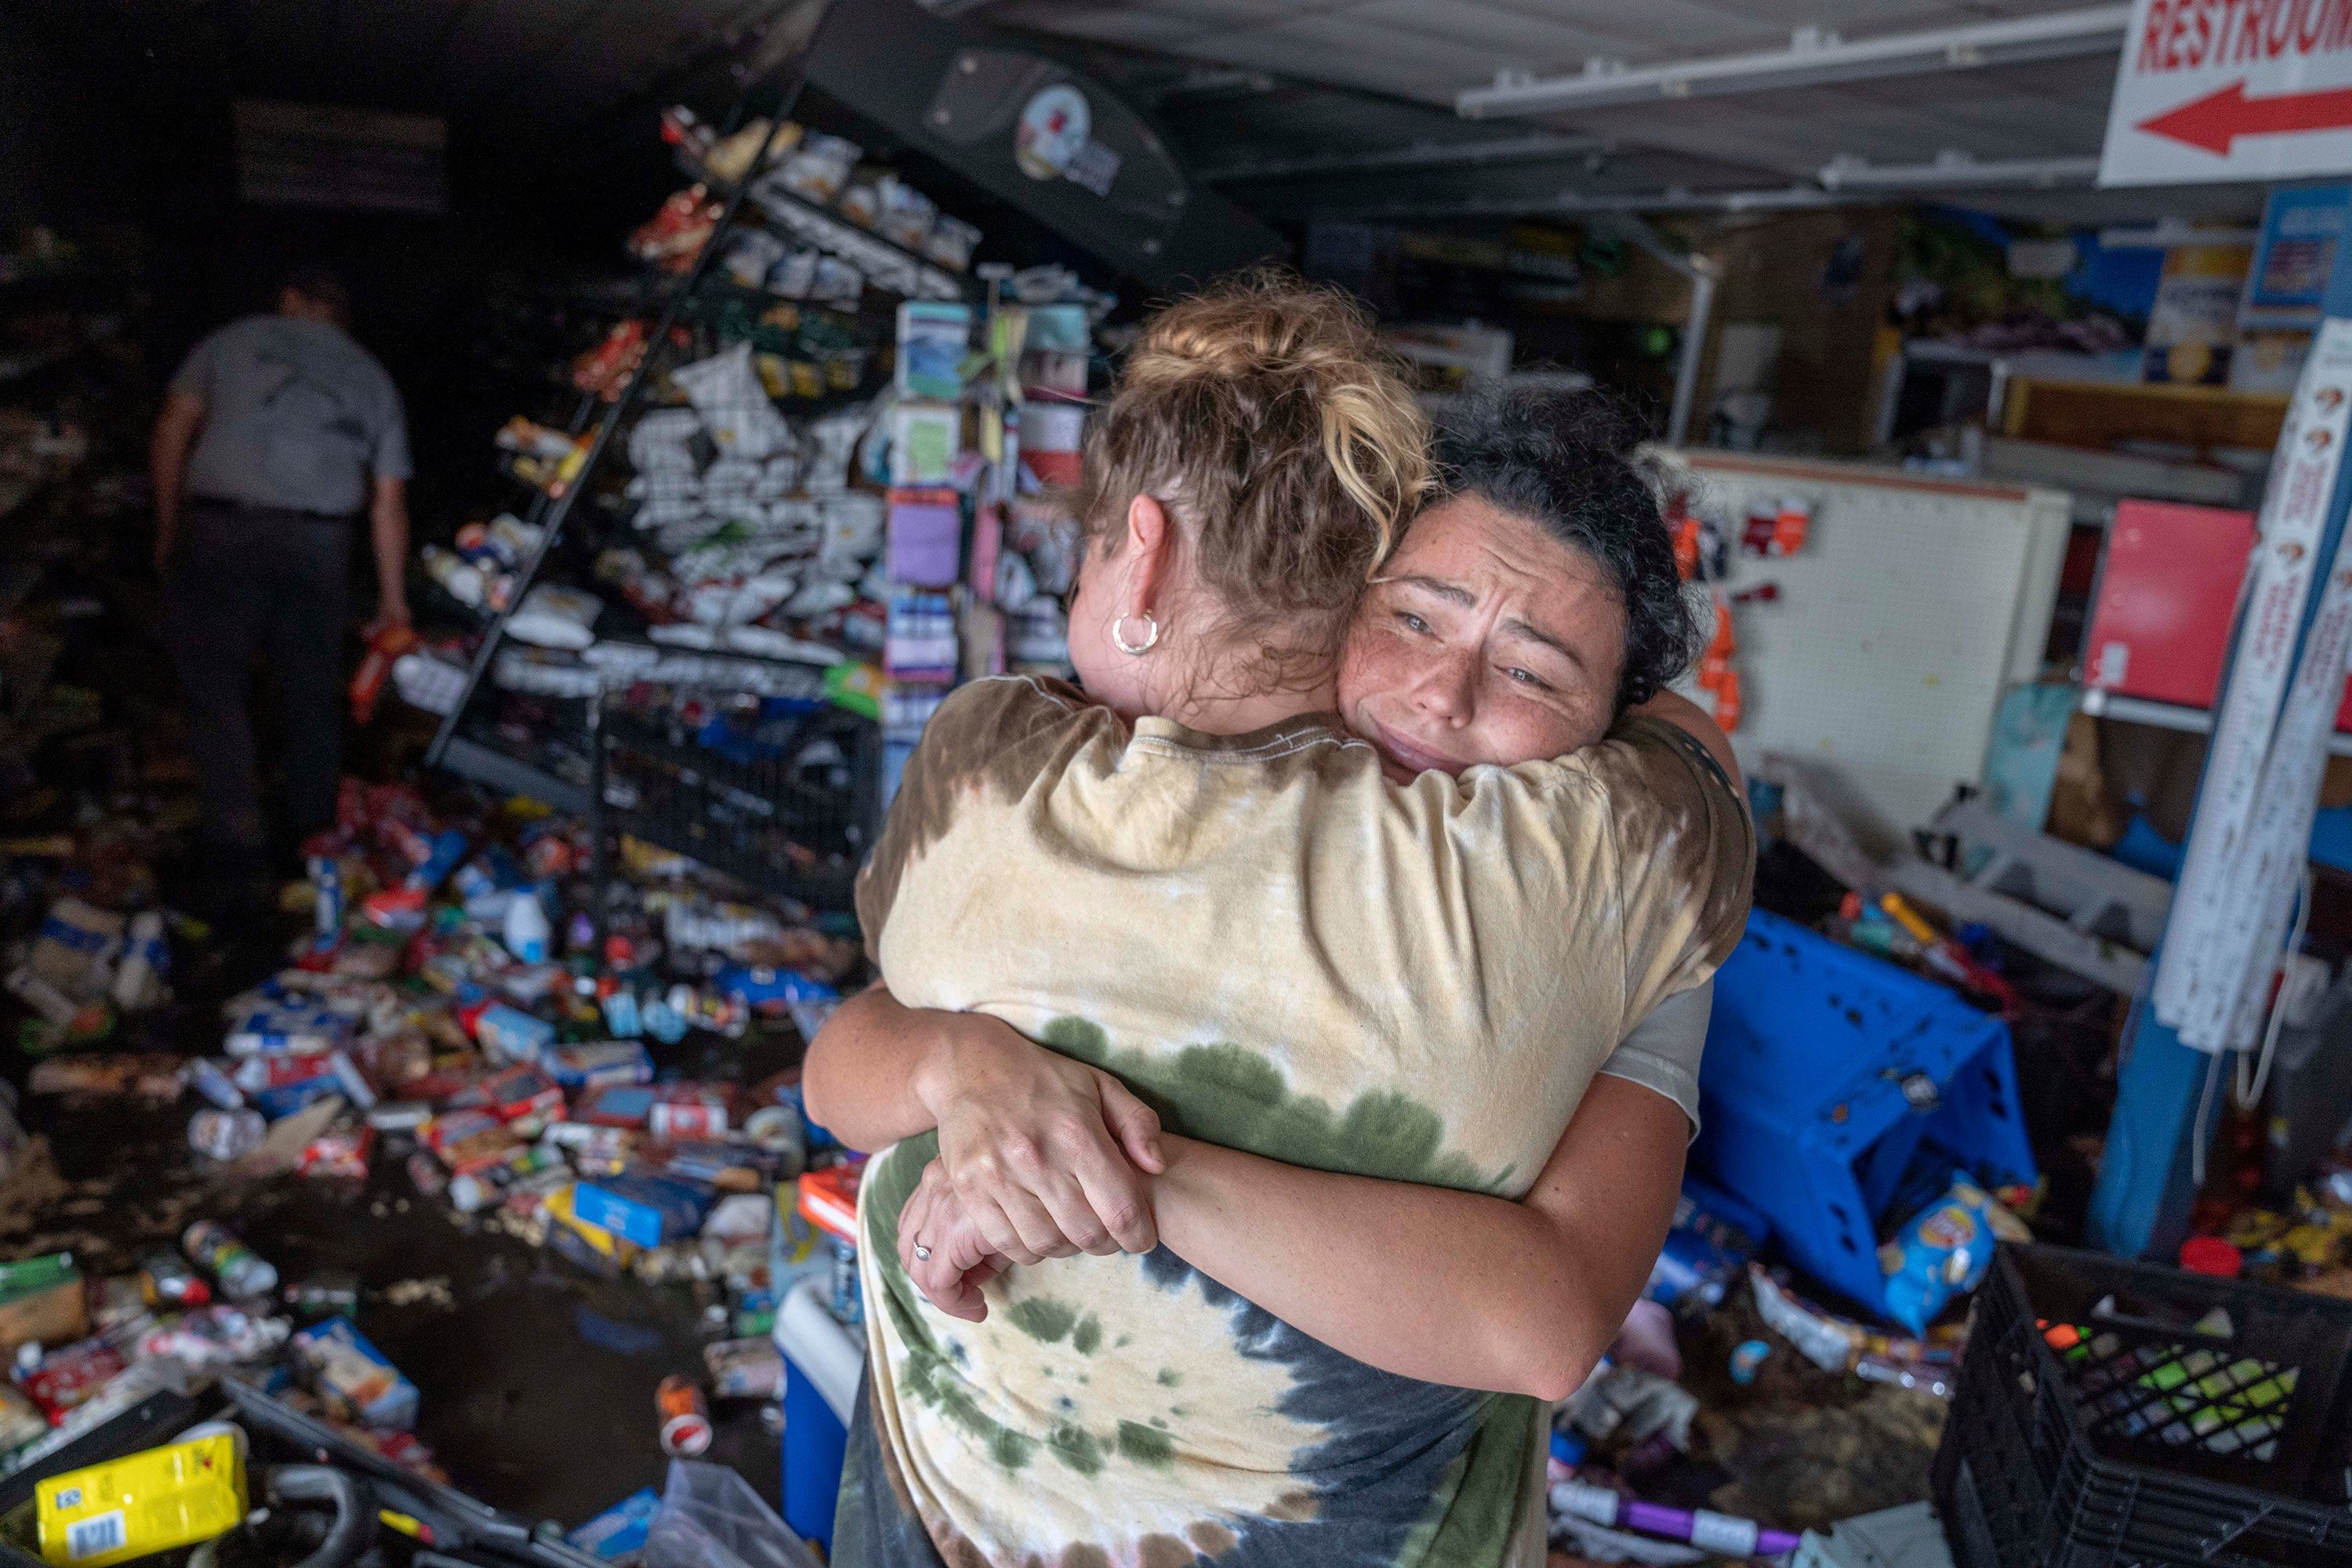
(684, 1417)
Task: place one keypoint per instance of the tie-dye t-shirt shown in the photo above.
(1283, 952)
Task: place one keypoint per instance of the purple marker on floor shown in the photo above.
(1702, 1528)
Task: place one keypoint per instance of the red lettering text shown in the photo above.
(2221, 33)
(2151, 42)
(2249, 30)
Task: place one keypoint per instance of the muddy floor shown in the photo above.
(537, 1380)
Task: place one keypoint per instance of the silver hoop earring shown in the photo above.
(1150, 638)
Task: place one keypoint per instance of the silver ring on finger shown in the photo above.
(922, 1253)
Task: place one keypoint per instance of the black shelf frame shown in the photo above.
(730, 815)
(548, 513)
(829, 231)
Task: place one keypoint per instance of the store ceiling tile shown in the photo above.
(2047, 108)
(1798, 132)
(1416, 49)
(1305, 123)
(1432, 48)
(1537, 38)
(1412, 53)
(1438, 195)
(1858, 18)
(1103, 24)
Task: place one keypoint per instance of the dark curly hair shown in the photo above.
(1570, 463)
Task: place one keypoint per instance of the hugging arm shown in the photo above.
(1518, 1297)
(1433, 1283)
(1050, 1155)
(1425, 1282)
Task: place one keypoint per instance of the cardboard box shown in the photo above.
(57, 1313)
(597, 1064)
(645, 1210)
(620, 1530)
(353, 1377)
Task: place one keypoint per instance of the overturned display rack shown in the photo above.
(478, 759)
(948, 91)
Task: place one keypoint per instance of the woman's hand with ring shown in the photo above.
(942, 1251)
(1046, 1156)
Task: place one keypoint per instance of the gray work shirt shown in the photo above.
(1663, 1052)
(297, 414)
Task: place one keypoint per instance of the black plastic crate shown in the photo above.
(796, 822)
(2116, 1413)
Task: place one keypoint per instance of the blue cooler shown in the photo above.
(823, 1363)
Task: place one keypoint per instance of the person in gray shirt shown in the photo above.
(277, 434)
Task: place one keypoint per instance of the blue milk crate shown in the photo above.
(1838, 1089)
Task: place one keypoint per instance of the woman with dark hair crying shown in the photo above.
(1271, 1151)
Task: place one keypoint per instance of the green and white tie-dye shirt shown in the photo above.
(1283, 952)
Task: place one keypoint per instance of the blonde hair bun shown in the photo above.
(1264, 412)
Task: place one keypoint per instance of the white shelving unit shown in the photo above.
(1915, 605)
(2100, 704)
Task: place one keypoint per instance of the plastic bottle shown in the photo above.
(620, 1014)
(527, 930)
(474, 1190)
(145, 961)
(226, 1134)
(463, 581)
(240, 1271)
(327, 897)
(384, 651)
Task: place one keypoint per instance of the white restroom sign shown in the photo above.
(2232, 90)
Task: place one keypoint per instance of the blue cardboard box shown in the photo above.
(352, 1376)
(620, 1530)
(597, 1064)
(647, 1210)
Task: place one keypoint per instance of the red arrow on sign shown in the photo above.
(2216, 120)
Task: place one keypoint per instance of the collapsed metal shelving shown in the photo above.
(659, 782)
(957, 96)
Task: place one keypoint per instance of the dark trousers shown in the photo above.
(245, 582)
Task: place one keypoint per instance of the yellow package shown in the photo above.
(144, 1503)
(558, 1208)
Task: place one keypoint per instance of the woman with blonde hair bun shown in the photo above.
(1334, 1012)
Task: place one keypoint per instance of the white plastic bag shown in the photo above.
(662, 442)
(710, 1518)
(730, 602)
(833, 443)
(428, 682)
(777, 476)
(725, 390)
(554, 616)
(853, 524)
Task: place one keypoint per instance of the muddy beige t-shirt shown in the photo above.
(1283, 952)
